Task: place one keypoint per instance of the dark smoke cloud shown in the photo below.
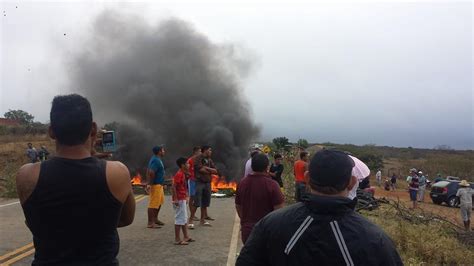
(166, 84)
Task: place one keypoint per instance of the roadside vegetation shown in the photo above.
(424, 242)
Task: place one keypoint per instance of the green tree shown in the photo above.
(303, 143)
(373, 161)
(281, 142)
(19, 115)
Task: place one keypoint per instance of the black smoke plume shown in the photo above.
(166, 84)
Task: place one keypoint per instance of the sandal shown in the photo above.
(160, 223)
(189, 240)
(209, 218)
(181, 243)
(206, 224)
(191, 226)
(153, 227)
(195, 219)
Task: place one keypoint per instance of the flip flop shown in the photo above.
(206, 224)
(181, 243)
(195, 219)
(191, 226)
(209, 218)
(190, 240)
(153, 227)
(160, 223)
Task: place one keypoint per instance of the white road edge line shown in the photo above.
(232, 256)
(4, 205)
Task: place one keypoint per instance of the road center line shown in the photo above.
(140, 199)
(232, 256)
(16, 251)
(30, 245)
(17, 258)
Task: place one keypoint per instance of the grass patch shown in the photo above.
(431, 242)
(8, 182)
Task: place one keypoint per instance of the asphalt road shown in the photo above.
(216, 245)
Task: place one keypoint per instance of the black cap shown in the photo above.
(331, 168)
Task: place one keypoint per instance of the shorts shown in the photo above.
(191, 187)
(413, 194)
(180, 213)
(202, 198)
(157, 197)
(466, 213)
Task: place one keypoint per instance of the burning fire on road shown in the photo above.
(137, 180)
(220, 183)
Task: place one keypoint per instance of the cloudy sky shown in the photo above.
(395, 73)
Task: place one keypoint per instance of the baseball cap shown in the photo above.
(330, 168)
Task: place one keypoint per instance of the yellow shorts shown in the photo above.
(157, 197)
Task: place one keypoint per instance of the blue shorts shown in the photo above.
(191, 187)
(413, 194)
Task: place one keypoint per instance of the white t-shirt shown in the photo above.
(248, 167)
(378, 175)
(465, 195)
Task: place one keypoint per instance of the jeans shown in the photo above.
(300, 191)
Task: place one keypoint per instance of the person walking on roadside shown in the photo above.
(378, 177)
(257, 195)
(192, 186)
(422, 186)
(179, 203)
(300, 168)
(156, 178)
(465, 193)
(413, 186)
(32, 153)
(73, 203)
(276, 170)
(324, 229)
(204, 167)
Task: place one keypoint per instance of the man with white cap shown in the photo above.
(360, 171)
(421, 187)
(465, 193)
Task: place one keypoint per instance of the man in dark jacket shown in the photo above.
(324, 229)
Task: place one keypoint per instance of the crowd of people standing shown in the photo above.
(35, 155)
(191, 187)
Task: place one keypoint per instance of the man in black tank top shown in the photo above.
(74, 202)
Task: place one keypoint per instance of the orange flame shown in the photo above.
(137, 180)
(220, 183)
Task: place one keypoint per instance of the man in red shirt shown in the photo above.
(192, 187)
(257, 195)
(301, 166)
(179, 203)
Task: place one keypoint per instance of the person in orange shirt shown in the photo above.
(300, 168)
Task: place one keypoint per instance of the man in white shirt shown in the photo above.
(465, 193)
(378, 177)
(248, 164)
